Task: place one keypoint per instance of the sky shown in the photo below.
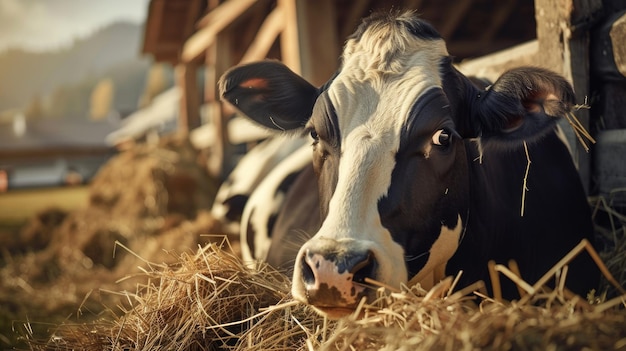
(40, 25)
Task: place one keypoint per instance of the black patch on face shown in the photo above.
(430, 113)
(325, 121)
(429, 182)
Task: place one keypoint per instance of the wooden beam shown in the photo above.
(189, 110)
(266, 36)
(213, 23)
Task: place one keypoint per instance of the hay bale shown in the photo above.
(153, 181)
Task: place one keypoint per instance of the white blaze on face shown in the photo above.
(373, 96)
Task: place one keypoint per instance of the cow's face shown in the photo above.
(391, 164)
(390, 168)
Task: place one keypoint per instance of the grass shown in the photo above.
(20, 205)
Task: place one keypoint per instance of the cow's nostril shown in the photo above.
(308, 276)
(364, 268)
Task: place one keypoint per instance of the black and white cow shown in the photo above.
(265, 203)
(251, 170)
(420, 173)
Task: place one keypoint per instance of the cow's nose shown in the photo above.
(329, 278)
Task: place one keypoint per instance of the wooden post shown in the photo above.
(564, 47)
(189, 110)
(309, 44)
(218, 60)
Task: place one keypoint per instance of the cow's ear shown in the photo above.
(269, 93)
(523, 104)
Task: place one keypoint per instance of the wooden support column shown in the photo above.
(189, 110)
(309, 43)
(563, 36)
(218, 60)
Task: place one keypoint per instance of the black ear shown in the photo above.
(269, 93)
(523, 104)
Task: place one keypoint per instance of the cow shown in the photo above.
(421, 174)
(265, 203)
(250, 171)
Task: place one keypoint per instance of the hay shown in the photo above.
(211, 301)
(151, 198)
(208, 301)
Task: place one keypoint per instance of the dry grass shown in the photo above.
(211, 301)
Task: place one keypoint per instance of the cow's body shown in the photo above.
(264, 204)
(420, 173)
(250, 171)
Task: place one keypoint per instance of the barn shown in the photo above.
(581, 40)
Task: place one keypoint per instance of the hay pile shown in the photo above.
(210, 301)
(149, 198)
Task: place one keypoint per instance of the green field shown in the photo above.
(16, 206)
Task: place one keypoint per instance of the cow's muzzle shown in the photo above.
(334, 280)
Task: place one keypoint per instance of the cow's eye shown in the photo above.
(441, 137)
(314, 135)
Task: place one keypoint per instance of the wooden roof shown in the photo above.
(168, 25)
(472, 28)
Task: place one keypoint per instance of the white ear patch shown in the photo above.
(442, 250)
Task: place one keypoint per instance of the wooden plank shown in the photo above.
(493, 65)
(189, 111)
(214, 22)
(266, 36)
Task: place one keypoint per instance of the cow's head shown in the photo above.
(387, 137)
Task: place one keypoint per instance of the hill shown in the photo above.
(25, 75)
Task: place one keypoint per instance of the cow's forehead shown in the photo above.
(385, 70)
